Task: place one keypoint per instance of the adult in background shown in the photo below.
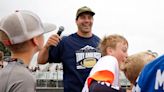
(78, 52)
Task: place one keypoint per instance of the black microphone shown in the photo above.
(61, 29)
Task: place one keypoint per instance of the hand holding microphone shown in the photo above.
(54, 39)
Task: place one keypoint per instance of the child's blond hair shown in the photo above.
(111, 41)
(134, 64)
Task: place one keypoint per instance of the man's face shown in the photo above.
(84, 22)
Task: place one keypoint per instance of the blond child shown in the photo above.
(104, 77)
(135, 63)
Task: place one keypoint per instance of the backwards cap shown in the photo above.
(83, 10)
(22, 25)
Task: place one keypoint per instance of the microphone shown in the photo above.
(61, 29)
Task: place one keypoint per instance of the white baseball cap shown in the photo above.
(23, 25)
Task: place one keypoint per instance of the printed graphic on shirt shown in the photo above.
(87, 57)
(159, 81)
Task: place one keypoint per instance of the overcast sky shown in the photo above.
(140, 21)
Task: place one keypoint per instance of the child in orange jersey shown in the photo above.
(104, 77)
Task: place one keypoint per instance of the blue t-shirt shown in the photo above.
(151, 78)
(78, 55)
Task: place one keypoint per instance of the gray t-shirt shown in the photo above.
(15, 77)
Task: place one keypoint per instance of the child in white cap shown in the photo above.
(21, 32)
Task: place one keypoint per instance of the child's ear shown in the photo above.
(35, 41)
(109, 50)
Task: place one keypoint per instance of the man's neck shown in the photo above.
(86, 34)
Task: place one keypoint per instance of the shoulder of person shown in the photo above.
(65, 37)
(98, 38)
